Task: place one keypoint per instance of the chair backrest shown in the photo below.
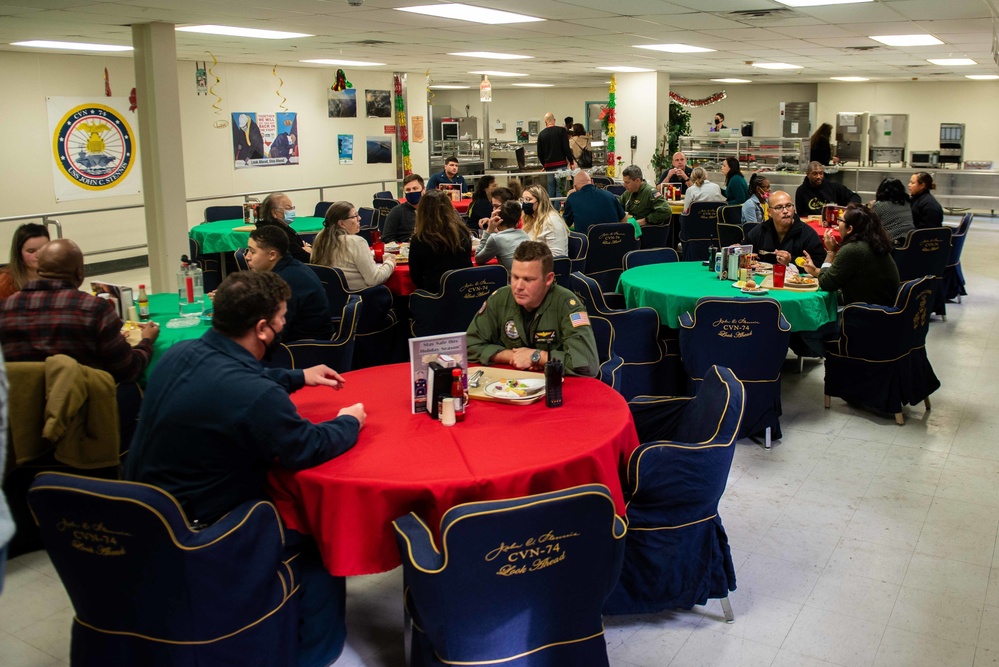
(381, 211)
(656, 236)
(216, 213)
(367, 216)
(578, 244)
(615, 189)
(337, 353)
(730, 215)
(500, 558)
(602, 182)
(589, 292)
(748, 227)
(463, 291)
(925, 253)
(729, 235)
(323, 206)
(563, 267)
(384, 194)
(209, 265)
(958, 239)
(699, 229)
(240, 256)
(607, 245)
(138, 575)
(521, 155)
(962, 229)
(651, 256)
(881, 333)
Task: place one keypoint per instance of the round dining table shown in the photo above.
(674, 288)
(230, 235)
(406, 462)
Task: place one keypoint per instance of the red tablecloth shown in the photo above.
(815, 223)
(399, 283)
(404, 462)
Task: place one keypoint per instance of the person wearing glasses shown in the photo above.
(277, 209)
(783, 237)
(339, 246)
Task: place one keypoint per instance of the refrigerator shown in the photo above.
(888, 136)
(851, 136)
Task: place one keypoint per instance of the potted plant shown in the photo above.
(678, 126)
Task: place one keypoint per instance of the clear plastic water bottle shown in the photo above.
(190, 288)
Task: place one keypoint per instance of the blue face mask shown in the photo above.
(527, 207)
(289, 215)
(413, 198)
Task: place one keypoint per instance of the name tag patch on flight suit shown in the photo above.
(511, 330)
(544, 337)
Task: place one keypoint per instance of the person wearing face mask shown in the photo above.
(542, 222)
(339, 246)
(755, 209)
(784, 237)
(402, 219)
(214, 422)
(277, 210)
(719, 123)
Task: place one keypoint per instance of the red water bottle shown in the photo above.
(377, 246)
(458, 395)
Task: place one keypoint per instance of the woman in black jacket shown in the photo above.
(926, 210)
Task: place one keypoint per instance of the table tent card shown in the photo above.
(442, 349)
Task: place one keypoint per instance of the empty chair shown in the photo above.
(563, 267)
(337, 353)
(384, 194)
(240, 256)
(323, 206)
(382, 208)
(578, 245)
(657, 236)
(210, 265)
(699, 230)
(149, 590)
(677, 552)
(463, 291)
(602, 181)
(216, 213)
(607, 244)
(611, 365)
(521, 155)
(651, 256)
(730, 215)
(748, 336)
(926, 253)
(953, 277)
(880, 357)
(367, 217)
(615, 189)
(474, 602)
(729, 235)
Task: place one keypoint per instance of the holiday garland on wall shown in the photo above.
(687, 102)
(608, 117)
(400, 122)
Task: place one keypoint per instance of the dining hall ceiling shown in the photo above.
(576, 37)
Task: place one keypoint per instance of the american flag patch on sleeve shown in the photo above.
(579, 319)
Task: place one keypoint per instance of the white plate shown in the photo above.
(758, 290)
(534, 389)
(789, 285)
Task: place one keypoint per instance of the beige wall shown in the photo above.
(745, 102)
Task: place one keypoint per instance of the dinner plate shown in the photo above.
(502, 389)
(758, 290)
(801, 286)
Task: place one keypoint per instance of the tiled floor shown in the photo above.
(857, 542)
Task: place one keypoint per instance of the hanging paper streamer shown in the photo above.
(430, 93)
(341, 82)
(277, 92)
(611, 125)
(200, 78)
(133, 103)
(400, 127)
(211, 91)
(107, 83)
(687, 102)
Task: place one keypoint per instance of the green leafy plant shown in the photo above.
(678, 126)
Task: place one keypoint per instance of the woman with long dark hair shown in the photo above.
(28, 239)
(926, 210)
(481, 208)
(820, 146)
(860, 266)
(339, 246)
(891, 203)
(736, 189)
(440, 242)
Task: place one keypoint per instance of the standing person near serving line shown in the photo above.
(440, 243)
(719, 123)
(481, 208)
(28, 240)
(815, 192)
(783, 236)
(891, 203)
(502, 238)
(339, 246)
(736, 189)
(277, 210)
(701, 189)
(554, 152)
(579, 143)
(214, 422)
(449, 176)
(641, 201)
(679, 174)
(532, 319)
(926, 210)
(756, 209)
(820, 148)
(588, 205)
(401, 220)
(542, 222)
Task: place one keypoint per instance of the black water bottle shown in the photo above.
(553, 383)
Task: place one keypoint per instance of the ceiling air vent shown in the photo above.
(757, 14)
(860, 48)
(370, 42)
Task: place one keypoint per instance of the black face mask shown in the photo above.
(274, 345)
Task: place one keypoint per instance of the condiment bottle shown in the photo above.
(143, 304)
(458, 395)
(377, 246)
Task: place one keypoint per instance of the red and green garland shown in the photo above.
(608, 119)
(400, 122)
(687, 102)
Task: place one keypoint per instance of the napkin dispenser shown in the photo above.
(438, 385)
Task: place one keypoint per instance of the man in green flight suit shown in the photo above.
(641, 201)
(532, 319)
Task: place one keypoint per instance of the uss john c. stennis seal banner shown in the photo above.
(94, 148)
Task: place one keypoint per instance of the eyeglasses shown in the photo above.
(354, 217)
(783, 207)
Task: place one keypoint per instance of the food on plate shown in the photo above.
(750, 284)
(800, 280)
(516, 387)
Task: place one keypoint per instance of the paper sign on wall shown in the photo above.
(264, 139)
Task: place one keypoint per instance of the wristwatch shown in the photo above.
(536, 358)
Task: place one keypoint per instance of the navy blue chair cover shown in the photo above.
(210, 266)
(518, 582)
(677, 552)
(699, 230)
(953, 277)
(216, 213)
(239, 254)
(384, 194)
(615, 189)
(578, 245)
(656, 236)
(645, 257)
(607, 244)
(463, 291)
(602, 182)
(926, 253)
(730, 215)
(321, 208)
(749, 336)
(337, 353)
(880, 357)
(563, 267)
(367, 216)
(376, 336)
(647, 366)
(748, 227)
(147, 590)
(728, 234)
(611, 365)
(382, 208)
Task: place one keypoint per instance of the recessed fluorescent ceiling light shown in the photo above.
(71, 46)
(490, 54)
(624, 68)
(848, 78)
(232, 31)
(818, 3)
(776, 66)
(674, 48)
(982, 77)
(732, 80)
(906, 40)
(533, 85)
(347, 63)
(951, 62)
(435, 87)
(468, 13)
(492, 73)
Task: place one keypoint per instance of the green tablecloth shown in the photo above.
(219, 236)
(673, 289)
(162, 309)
